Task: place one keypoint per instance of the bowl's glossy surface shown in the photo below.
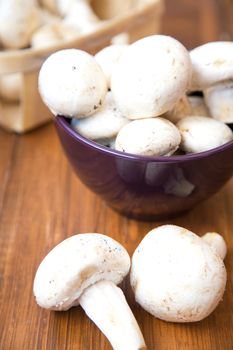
(146, 187)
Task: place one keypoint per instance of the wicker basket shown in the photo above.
(138, 22)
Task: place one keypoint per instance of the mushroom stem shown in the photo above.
(106, 306)
(217, 243)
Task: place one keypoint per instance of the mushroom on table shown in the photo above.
(178, 276)
(85, 269)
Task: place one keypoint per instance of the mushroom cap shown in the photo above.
(151, 75)
(199, 134)
(107, 59)
(52, 34)
(176, 276)
(81, 16)
(149, 137)
(18, 20)
(212, 63)
(75, 264)
(104, 124)
(72, 83)
(219, 100)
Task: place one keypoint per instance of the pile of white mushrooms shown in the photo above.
(41, 24)
(175, 275)
(142, 98)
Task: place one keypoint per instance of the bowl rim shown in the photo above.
(62, 122)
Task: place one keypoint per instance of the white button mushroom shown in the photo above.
(51, 34)
(18, 20)
(212, 64)
(108, 58)
(151, 76)
(149, 137)
(71, 83)
(81, 16)
(213, 73)
(105, 123)
(219, 100)
(84, 269)
(201, 134)
(176, 276)
(52, 31)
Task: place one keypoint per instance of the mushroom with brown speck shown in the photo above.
(85, 269)
(177, 276)
(70, 92)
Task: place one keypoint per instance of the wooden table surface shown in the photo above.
(42, 202)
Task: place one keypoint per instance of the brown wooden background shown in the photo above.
(42, 202)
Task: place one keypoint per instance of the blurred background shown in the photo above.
(197, 22)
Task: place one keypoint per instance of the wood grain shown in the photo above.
(42, 202)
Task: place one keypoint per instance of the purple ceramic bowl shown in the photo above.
(147, 188)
